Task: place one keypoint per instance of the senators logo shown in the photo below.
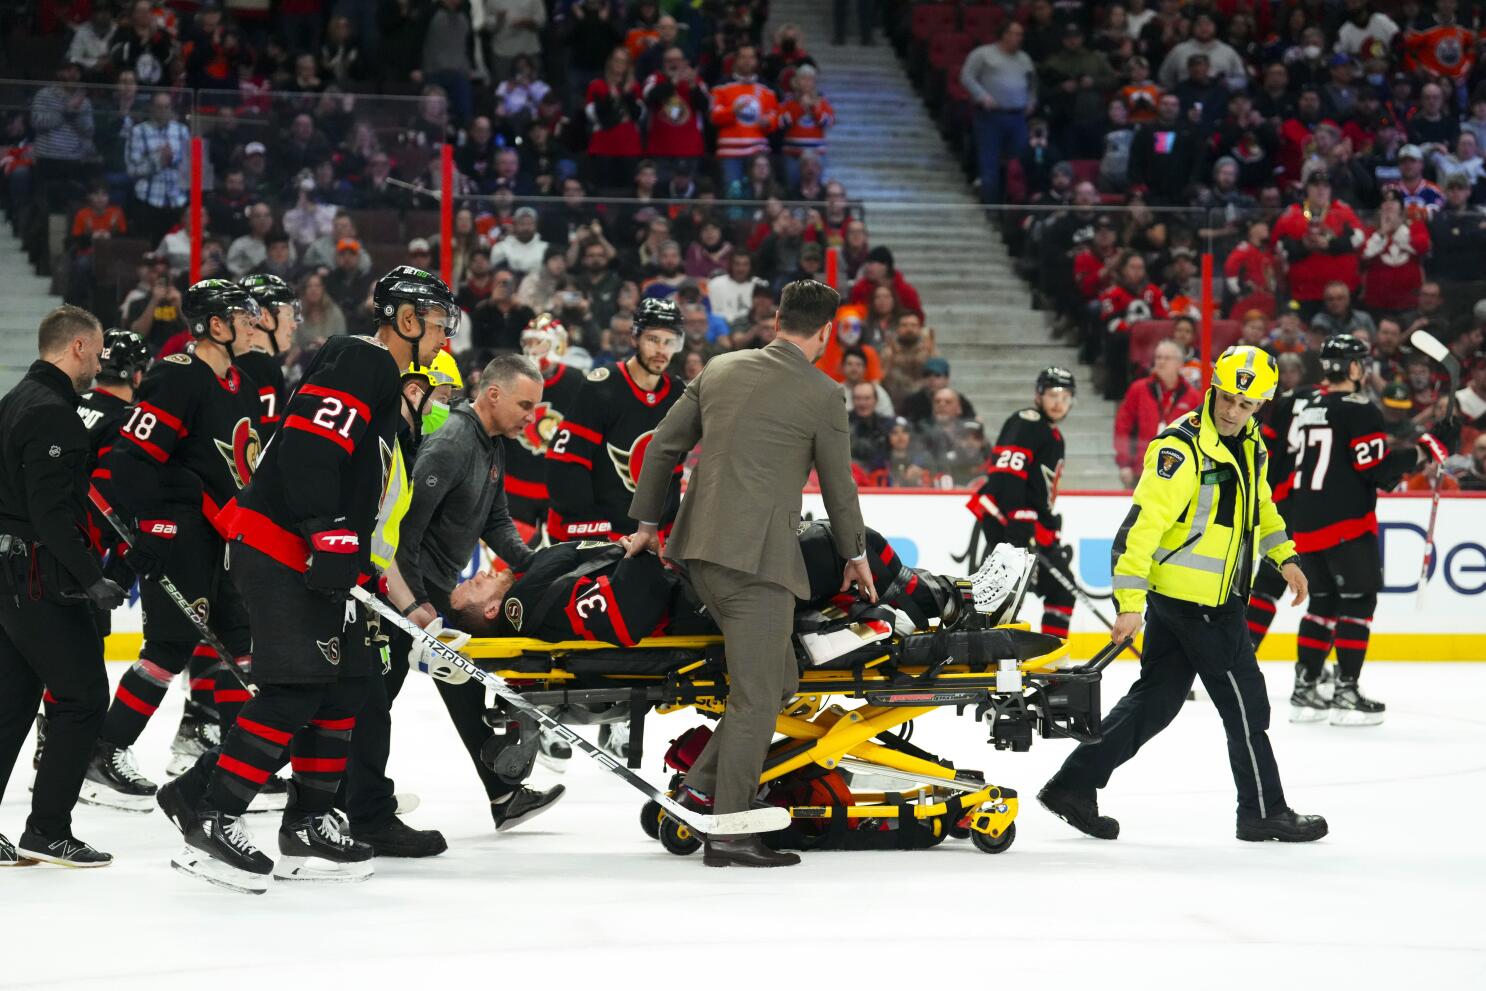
(330, 649)
(242, 454)
(515, 613)
(676, 111)
(537, 435)
(628, 463)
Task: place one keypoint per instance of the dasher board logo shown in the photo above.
(1168, 461)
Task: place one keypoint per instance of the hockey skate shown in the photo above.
(65, 851)
(316, 847)
(113, 781)
(272, 797)
(554, 752)
(522, 805)
(614, 738)
(1349, 707)
(1306, 703)
(220, 851)
(197, 734)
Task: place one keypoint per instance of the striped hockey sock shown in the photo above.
(139, 694)
(228, 695)
(1260, 616)
(1314, 642)
(203, 684)
(251, 752)
(1055, 619)
(319, 761)
(1351, 645)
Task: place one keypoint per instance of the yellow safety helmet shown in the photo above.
(443, 371)
(1244, 370)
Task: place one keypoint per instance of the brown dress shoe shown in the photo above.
(746, 850)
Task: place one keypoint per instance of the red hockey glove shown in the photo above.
(1431, 446)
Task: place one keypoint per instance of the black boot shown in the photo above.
(1287, 826)
(64, 851)
(746, 850)
(398, 839)
(1079, 810)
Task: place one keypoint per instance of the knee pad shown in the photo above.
(1358, 606)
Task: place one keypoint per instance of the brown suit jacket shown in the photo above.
(763, 418)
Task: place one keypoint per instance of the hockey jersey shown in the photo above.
(805, 130)
(1121, 309)
(1022, 480)
(744, 113)
(1309, 270)
(1341, 459)
(594, 459)
(331, 458)
(102, 414)
(1443, 50)
(191, 440)
(526, 453)
(267, 372)
(1276, 433)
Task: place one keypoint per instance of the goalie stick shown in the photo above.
(168, 587)
(1431, 346)
(726, 824)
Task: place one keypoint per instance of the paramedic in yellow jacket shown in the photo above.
(1184, 559)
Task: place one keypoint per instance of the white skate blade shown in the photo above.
(1351, 717)
(104, 797)
(319, 869)
(179, 764)
(1305, 714)
(197, 864)
(407, 802)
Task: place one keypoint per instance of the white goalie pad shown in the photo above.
(827, 645)
(997, 588)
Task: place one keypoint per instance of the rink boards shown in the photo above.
(1446, 622)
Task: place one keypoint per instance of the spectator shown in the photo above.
(96, 221)
(1223, 61)
(523, 250)
(804, 119)
(1392, 265)
(854, 372)
(346, 284)
(227, 206)
(496, 319)
(448, 53)
(1465, 162)
(597, 280)
(323, 252)
(677, 103)
(1429, 313)
(420, 254)
(1471, 399)
(475, 156)
(1002, 83)
(249, 251)
(903, 356)
(145, 273)
(322, 319)
(1130, 300)
(1296, 134)
(668, 275)
(1114, 159)
(695, 337)
(537, 288)
(1387, 355)
(1433, 123)
(1472, 476)
(881, 320)
(1166, 155)
(691, 366)
(141, 47)
(340, 54)
(1320, 241)
(918, 406)
(731, 294)
(308, 221)
(278, 257)
(304, 148)
(519, 97)
(1293, 373)
(869, 427)
(1075, 80)
(157, 317)
(62, 119)
(710, 255)
(879, 271)
(613, 107)
(779, 255)
(1421, 198)
(92, 40)
(761, 310)
(256, 180)
(1248, 272)
(756, 185)
(1148, 406)
(855, 248)
(1458, 236)
(667, 37)
(516, 34)
(1363, 25)
(159, 159)
(909, 463)
(745, 112)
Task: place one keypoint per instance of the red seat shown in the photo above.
(1146, 334)
(1016, 182)
(946, 50)
(983, 23)
(929, 19)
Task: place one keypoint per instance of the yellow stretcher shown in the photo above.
(1016, 681)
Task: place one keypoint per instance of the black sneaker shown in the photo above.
(9, 857)
(316, 847)
(1081, 811)
(220, 850)
(522, 804)
(398, 839)
(112, 781)
(40, 741)
(1287, 826)
(1349, 707)
(66, 851)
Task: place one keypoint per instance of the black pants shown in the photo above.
(45, 644)
(1183, 640)
(369, 800)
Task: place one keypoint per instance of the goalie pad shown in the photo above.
(998, 587)
(862, 635)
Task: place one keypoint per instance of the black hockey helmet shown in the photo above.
(124, 353)
(271, 292)
(216, 298)
(423, 290)
(1339, 351)
(662, 314)
(1055, 377)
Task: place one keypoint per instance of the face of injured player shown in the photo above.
(475, 604)
(1231, 413)
(654, 349)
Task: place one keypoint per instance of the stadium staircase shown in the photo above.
(887, 151)
(25, 298)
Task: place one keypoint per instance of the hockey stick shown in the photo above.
(168, 587)
(727, 824)
(1431, 346)
(1088, 600)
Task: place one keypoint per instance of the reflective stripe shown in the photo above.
(1269, 543)
(1187, 556)
(1130, 583)
(1244, 715)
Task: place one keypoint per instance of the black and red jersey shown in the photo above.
(1276, 431)
(1339, 447)
(102, 413)
(526, 453)
(1022, 480)
(267, 372)
(594, 459)
(331, 457)
(191, 440)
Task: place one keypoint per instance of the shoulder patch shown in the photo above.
(1030, 414)
(178, 359)
(598, 374)
(369, 340)
(1357, 397)
(1168, 460)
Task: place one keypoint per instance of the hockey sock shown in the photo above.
(1317, 627)
(1260, 615)
(228, 695)
(202, 671)
(319, 751)
(1353, 627)
(257, 743)
(1055, 619)
(141, 690)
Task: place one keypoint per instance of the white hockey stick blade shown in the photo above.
(728, 823)
(1424, 341)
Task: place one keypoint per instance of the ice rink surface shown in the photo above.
(581, 898)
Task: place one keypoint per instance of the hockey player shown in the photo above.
(594, 458)
(279, 316)
(1341, 460)
(302, 534)
(1015, 505)
(544, 341)
(185, 450)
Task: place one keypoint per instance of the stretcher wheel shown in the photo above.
(678, 838)
(960, 828)
(650, 814)
(989, 844)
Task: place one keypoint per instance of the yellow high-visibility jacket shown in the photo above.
(1197, 512)
(396, 497)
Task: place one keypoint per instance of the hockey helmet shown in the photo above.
(660, 314)
(545, 337)
(124, 353)
(1339, 351)
(1244, 370)
(423, 290)
(216, 298)
(1055, 377)
(443, 370)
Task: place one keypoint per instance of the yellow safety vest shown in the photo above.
(1197, 511)
(396, 498)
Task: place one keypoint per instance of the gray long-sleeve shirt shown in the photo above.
(459, 498)
(1010, 80)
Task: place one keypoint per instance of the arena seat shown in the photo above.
(982, 22)
(378, 225)
(1146, 334)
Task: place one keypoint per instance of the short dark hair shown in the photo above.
(64, 325)
(504, 368)
(805, 306)
(853, 352)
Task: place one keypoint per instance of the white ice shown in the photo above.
(580, 898)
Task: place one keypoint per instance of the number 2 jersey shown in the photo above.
(191, 441)
(1022, 480)
(526, 453)
(1338, 447)
(594, 459)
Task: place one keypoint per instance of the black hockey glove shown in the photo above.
(1061, 557)
(147, 556)
(106, 595)
(335, 556)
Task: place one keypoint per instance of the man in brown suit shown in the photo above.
(763, 417)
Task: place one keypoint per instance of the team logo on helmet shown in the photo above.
(628, 463)
(1168, 461)
(515, 613)
(242, 453)
(537, 435)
